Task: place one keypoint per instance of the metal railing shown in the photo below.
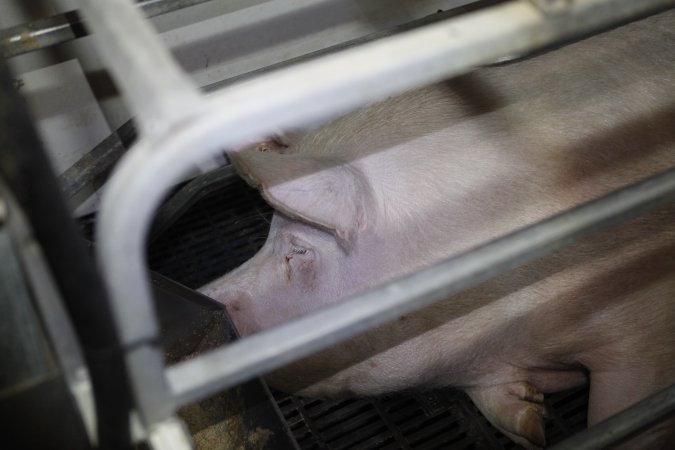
(181, 128)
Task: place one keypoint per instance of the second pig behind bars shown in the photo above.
(404, 183)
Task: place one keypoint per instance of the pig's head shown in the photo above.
(320, 247)
(323, 246)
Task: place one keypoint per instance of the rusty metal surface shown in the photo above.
(40, 34)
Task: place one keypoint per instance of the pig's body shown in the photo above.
(402, 184)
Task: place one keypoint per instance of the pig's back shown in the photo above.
(513, 144)
(470, 159)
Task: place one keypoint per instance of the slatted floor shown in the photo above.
(443, 419)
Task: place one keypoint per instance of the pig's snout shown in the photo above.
(236, 301)
(241, 308)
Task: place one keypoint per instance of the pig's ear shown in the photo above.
(325, 193)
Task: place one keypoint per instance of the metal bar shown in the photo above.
(271, 349)
(624, 425)
(156, 101)
(52, 312)
(40, 34)
(90, 171)
(65, 27)
(289, 98)
(425, 21)
(25, 354)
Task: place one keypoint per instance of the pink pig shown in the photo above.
(402, 184)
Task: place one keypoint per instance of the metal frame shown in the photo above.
(181, 128)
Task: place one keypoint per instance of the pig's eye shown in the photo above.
(300, 263)
(298, 252)
(297, 246)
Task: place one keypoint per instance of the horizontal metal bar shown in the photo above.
(408, 26)
(65, 27)
(624, 425)
(293, 97)
(40, 34)
(253, 356)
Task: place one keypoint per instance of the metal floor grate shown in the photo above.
(442, 419)
(222, 230)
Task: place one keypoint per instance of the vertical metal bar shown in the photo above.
(25, 355)
(25, 168)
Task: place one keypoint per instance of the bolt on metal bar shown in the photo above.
(268, 350)
(297, 96)
(625, 424)
(67, 26)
